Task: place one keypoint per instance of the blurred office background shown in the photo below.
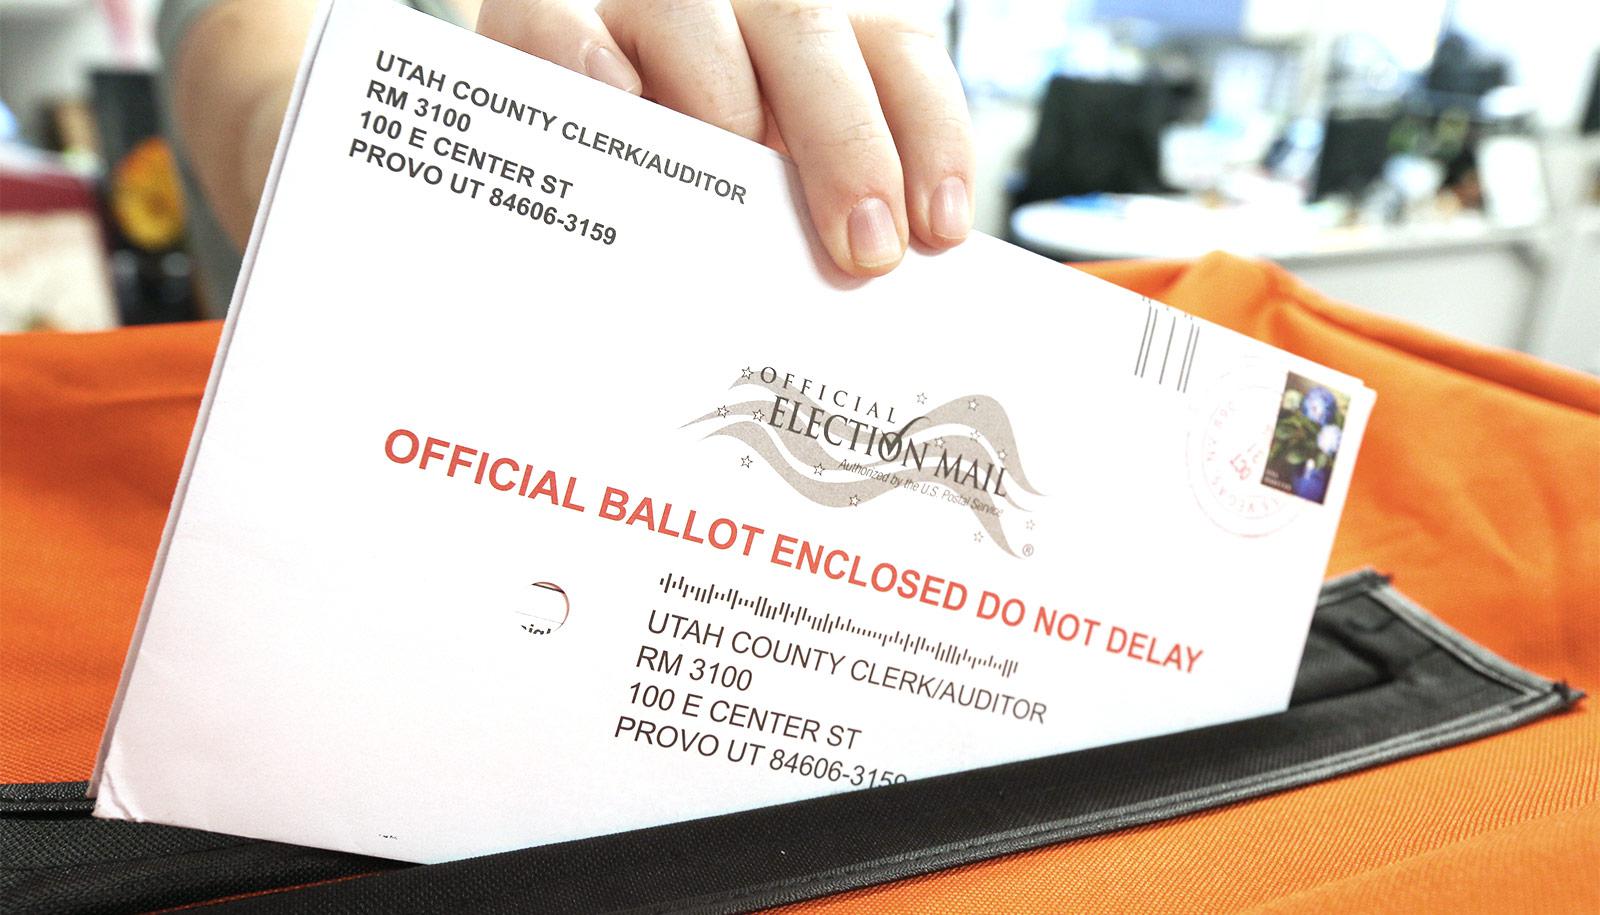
(1437, 160)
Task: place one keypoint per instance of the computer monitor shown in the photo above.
(1098, 136)
(1590, 122)
(1354, 150)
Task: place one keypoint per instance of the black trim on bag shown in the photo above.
(1380, 680)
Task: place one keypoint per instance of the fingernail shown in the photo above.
(874, 241)
(948, 214)
(608, 68)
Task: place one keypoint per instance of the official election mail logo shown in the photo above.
(1305, 439)
(841, 449)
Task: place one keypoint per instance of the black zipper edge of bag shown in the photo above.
(501, 880)
(1537, 697)
(563, 878)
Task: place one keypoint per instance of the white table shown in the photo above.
(1463, 276)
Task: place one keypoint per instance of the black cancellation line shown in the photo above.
(1150, 338)
(1139, 356)
(1188, 367)
(1183, 360)
(1167, 354)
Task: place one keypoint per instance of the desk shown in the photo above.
(1463, 276)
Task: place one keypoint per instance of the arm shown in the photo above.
(230, 86)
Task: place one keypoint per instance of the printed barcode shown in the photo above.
(1168, 343)
(828, 622)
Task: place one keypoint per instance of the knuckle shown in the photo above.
(678, 10)
(856, 157)
(650, 15)
(917, 16)
(723, 92)
(744, 118)
(805, 17)
(947, 129)
(866, 137)
(531, 12)
(916, 23)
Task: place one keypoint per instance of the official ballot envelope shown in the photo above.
(551, 483)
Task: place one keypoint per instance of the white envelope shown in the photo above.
(551, 483)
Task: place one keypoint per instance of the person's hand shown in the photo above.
(865, 100)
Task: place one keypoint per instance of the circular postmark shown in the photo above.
(1229, 437)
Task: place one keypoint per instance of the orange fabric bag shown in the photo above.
(1477, 487)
